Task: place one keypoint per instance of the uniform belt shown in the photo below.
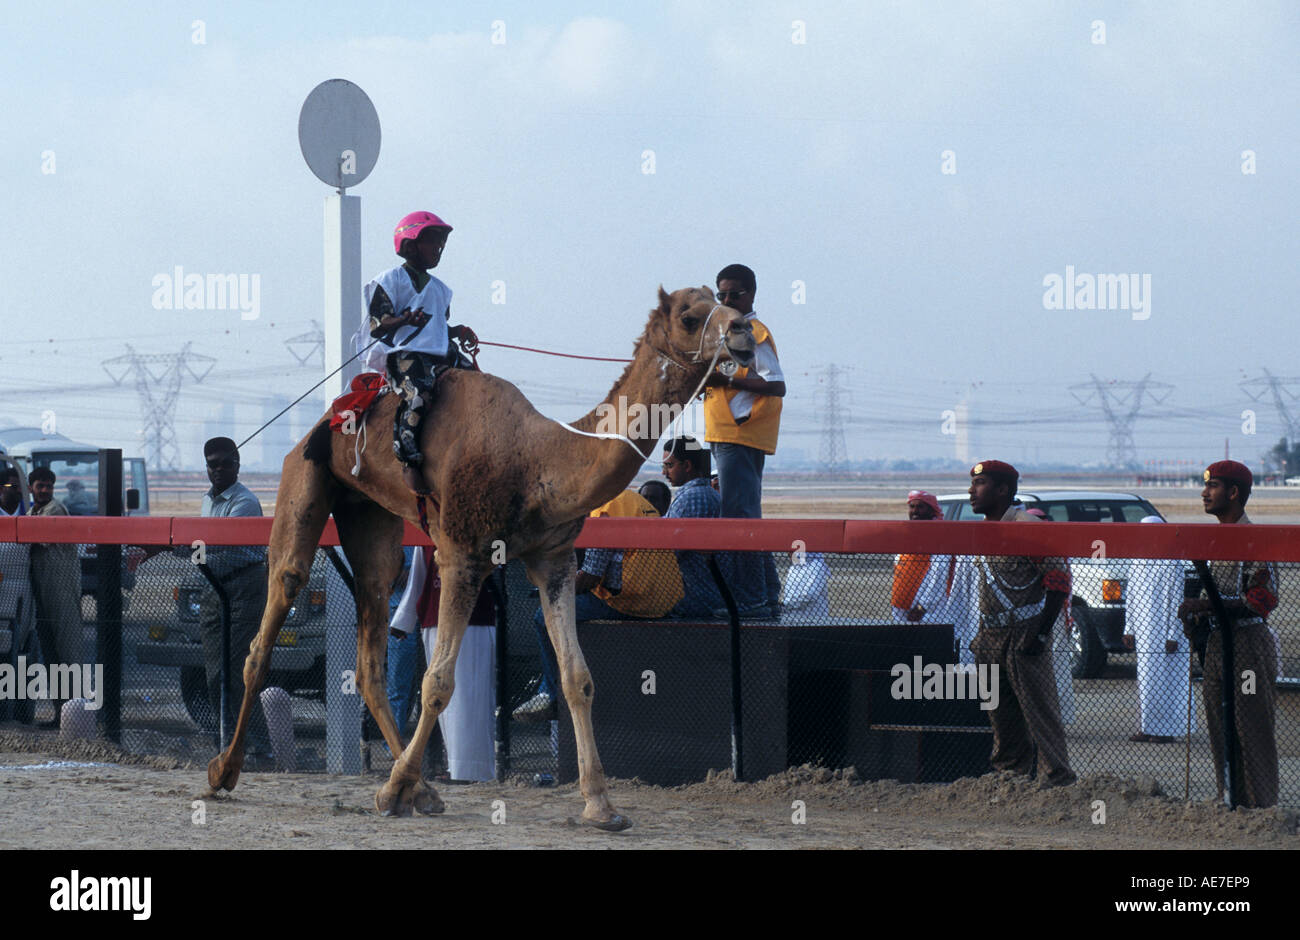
(1256, 621)
(1016, 615)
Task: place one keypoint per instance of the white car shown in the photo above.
(1099, 584)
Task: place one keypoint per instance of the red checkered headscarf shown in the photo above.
(929, 499)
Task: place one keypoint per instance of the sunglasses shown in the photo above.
(725, 295)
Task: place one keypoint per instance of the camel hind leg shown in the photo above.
(554, 576)
(303, 505)
(371, 537)
(405, 790)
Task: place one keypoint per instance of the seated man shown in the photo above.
(657, 494)
(686, 466)
(613, 584)
(805, 596)
(79, 502)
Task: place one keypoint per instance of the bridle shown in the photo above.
(664, 361)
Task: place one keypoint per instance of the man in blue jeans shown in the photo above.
(686, 467)
(403, 652)
(742, 416)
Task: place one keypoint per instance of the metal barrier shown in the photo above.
(835, 676)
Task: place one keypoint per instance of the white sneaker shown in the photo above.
(538, 708)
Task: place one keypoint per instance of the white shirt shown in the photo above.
(807, 588)
(766, 366)
(434, 300)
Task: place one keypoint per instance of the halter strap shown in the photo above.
(698, 357)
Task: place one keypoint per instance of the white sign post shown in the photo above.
(338, 130)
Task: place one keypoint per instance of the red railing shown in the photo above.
(1071, 539)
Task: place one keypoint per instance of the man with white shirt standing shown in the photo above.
(742, 416)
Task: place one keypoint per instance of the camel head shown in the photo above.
(696, 327)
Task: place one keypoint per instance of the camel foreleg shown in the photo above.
(554, 577)
(405, 790)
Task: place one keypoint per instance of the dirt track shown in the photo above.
(137, 802)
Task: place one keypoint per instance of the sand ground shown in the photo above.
(122, 801)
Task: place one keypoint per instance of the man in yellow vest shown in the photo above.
(742, 414)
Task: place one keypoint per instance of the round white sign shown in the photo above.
(338, 130)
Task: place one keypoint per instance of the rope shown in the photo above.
(547, 352)
(628, 440)
(302, 396)
(477, 342)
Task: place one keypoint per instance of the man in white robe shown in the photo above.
(805, 595)
(1155, 589)
(920, 589)
(468, 722)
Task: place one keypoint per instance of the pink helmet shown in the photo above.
(412, 225)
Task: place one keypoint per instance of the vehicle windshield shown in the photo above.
(1095, 510)
(76, 480)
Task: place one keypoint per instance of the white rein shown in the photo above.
(698, 357)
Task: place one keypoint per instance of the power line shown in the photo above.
(1121, 402)
(1277, 388)
(158, 379)
(833, 450)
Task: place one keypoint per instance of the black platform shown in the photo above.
(811, 694)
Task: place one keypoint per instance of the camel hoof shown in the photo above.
(426, 801)
(389, 802)
(400, 798)
(223, 771)
(615, 823)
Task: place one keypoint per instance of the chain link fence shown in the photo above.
(836, 675)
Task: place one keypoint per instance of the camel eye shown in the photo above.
(690, 323)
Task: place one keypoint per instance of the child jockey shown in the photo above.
(407, 311)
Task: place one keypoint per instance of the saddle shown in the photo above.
(366, 388)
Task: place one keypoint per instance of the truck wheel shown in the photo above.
(1087, 655)
(194, 692)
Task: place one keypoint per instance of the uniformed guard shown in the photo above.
(1249, 593)
(1019, 601)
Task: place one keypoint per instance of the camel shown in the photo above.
(499, 473)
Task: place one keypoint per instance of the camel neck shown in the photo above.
(642, 406)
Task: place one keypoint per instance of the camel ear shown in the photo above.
(665, 302)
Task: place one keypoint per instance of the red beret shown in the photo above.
(995, 468)
(1230, 471)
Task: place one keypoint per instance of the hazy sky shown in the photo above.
(921, 168)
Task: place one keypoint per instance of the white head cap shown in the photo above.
(1152, 519)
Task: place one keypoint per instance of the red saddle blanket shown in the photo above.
(365, 389)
